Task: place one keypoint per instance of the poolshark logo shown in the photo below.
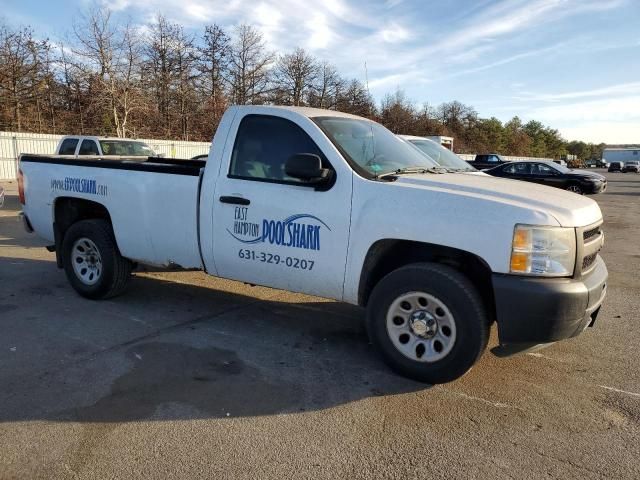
(297, 231)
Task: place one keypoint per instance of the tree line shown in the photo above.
(110, 77)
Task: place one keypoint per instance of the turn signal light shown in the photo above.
(520, 262)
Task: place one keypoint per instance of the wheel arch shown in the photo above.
(387, 255)
(69, 210)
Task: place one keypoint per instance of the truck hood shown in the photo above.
(569, 209)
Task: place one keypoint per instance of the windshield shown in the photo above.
(441, 155)
(560, 168)
(371, 147)
(126, 148)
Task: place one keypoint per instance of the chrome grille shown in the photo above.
(592, 232)
(592, 241)
(588, 261)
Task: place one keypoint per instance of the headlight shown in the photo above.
(544, 251)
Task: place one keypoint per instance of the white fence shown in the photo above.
(13, 144)
(471, 156)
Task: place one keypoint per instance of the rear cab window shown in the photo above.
(68, 146)
(88, 147)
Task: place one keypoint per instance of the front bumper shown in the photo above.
(596, 187)
(533, 311)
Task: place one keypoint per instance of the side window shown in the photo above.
(88, 147)
(264, 144)
(68, 146)
(517, 169)
(492, 158)
(541, 169)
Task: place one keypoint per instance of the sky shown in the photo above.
(571, 64)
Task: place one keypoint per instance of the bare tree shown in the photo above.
(21, 59)
(397, 113)
(170, 73)
(249, 62)
(112, 54)
(186, 75)
(295, 74)
(328, 83)
(213, 62)
(355, 99)
(161, 51)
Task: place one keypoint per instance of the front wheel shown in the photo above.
(428, 322)
(92, 261)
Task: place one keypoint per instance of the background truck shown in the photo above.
(446, 142)
(336, 206)
(621, 154)
(80, 146)
(487, 160)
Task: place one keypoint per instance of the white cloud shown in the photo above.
(321, 35)
(631, 88)
(504, 61)
(603, 132)
(609, 120)
(394, 33)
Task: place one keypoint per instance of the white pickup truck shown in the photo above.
(335, 205)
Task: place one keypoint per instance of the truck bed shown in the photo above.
(175, 166)
(152, 202)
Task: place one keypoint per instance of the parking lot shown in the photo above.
(188, 376)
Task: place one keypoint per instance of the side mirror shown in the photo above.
(307, 167)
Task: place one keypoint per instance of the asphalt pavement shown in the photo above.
(188, 376)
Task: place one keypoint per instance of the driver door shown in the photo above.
(273, 230)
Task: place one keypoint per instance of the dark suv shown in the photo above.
(615, 167)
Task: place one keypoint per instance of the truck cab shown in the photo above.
(88, 146)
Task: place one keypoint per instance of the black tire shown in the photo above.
(575, 188)
(115, 271)
(464, 303)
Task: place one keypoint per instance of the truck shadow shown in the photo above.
(166, 351)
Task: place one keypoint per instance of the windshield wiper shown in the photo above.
(411, 170)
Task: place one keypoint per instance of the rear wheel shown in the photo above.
(428, 322)
(92, 261)
(575, 188)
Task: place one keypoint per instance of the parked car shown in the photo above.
(615, 167)
(553, 175)
(488, 160)
(633, 166)
(336, 206)
(440, 155)
(87, 146)
(595, 163)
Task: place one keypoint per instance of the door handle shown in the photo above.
(235, 200)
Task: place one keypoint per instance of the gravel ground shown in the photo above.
(187, 376)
